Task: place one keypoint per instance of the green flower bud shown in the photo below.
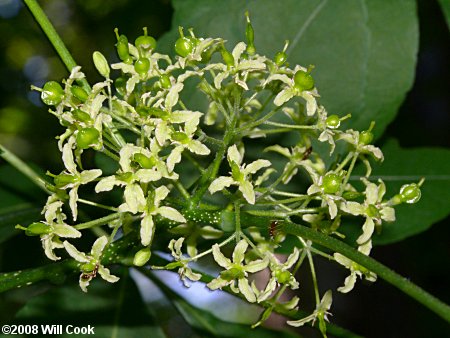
(121, 85)
(227, 57)
(283, 277)
(145, 41)
(101, 64)
(303, 80)
(179, 136)
(79, 93)
(164, 80)
(142, 257)
(81, 116)
(142, 66)
(87, 137)
(89, 267)
(365, 137)
(62, 180)
(37, 229)
(331, 183)
(122, 48)
(144, 161)
(280, 58)
(410, 193)
(333, 121)
(52, 93)
(231, 274)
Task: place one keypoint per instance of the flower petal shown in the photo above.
(73, 198)
(171, 214)
(147, 230)
(67, 156)
(174, 158)
(64, 230)
(255, 166)
(198, 148)
(173, 95)
(239, 251)
(311, 103)
(284, 96)
(257, 265)
(217, 283)
(47, 245)
(234, 155)
(90, 175)
(220, 183)
(134, 197)
(349, 283)
(247, 191)
(220, 259)
(160, 194)
(107, 183)
(106, 275)
(75, 254)
(246, 290)
(367, 228)
(99, 246)
(147, 175)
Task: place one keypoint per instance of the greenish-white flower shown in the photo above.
(150, 207)
(91, 264)
(356, 270)
(236, 272)
(72, 179)
(57, 228)
(290, 91)
(373, 209)
(240, 175)
(353, 137)
(320, 313)
(184, 139)
(184, 270)
(280, 274)
(130, 178)
(328, 200)
(298, 156)
(191, 231)
(241, 68)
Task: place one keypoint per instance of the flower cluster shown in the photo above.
(170, 151)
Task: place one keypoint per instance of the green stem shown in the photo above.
(24, 169)
(99, 221)
(237, 215)
(213, 168)
(402, 283)
(54, 38)
(290, 126)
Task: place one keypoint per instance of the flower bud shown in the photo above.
(410, 193)
(101, 64)
(37, 229)
(142, 257)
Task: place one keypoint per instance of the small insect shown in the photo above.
(272, 229)
(308, 152)
(90, 275)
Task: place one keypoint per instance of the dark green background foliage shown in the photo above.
(386, 61)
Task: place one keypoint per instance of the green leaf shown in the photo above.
(210, 324)
(23, 213)
(445, 6)
(17, 194)
(207, 324)
(403, 166)
(364, 51)
(113, 310)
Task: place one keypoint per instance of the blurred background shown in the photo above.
(27, 58)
